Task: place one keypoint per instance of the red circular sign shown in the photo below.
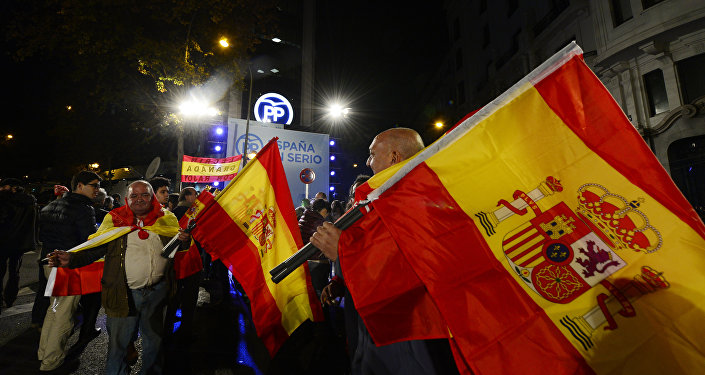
(307, 176)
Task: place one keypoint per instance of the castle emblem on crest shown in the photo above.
(561, 253)
(258, 219)
(261, 225)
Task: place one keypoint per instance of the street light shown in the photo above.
(337, 111)
(196, 108)
(189, 109)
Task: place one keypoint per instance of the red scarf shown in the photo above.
(124, 217)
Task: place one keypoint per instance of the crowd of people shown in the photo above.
(140, 292)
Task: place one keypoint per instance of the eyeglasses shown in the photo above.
(95, 186)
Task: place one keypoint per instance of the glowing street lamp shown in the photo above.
(337, 111)
(439, 124)
(196, 108)
(191, 108)
(9, 137)
(224, 42)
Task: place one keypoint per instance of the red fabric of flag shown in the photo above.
(573, 84)
(188, 262)
(219, 235)
(251, 228)
(444, 250)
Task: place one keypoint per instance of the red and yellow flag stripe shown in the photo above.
(555, 142)
(252, 228)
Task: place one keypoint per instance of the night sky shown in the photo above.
(379, 55)
(375, 55)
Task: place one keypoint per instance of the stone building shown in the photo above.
(650, 54)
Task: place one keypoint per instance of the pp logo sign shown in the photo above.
(274, 108)
(254, 144)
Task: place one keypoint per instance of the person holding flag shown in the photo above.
(407, 357)
(558, 244)
(136, 278)
(63, 224)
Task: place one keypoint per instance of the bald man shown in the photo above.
(389, 147)
(409, 357)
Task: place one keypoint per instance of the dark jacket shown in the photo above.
(115, 295)
(180, 210)
(100, 215)
(18, 212)
(66, 222)
(308, 223)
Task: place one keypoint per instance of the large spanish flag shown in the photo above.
(252, 228)
(120, 221)
(539, 236)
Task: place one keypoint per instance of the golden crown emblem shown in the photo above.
(618, 219)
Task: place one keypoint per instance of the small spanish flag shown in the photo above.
(252, 228)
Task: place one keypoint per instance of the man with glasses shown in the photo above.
(63, 224)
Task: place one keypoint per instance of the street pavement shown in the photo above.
(223, 342)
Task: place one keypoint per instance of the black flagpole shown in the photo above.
(288, 266)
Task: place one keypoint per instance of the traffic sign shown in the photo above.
(307, 176)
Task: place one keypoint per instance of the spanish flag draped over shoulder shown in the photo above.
(541, 235)
(84, 280)
(252, 228)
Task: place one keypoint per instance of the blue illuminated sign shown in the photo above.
(273, 108)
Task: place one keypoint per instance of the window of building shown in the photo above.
(459, 58)
(621, 11)
(686, 160)
(512, 6)
(513, 49)
(485, 36)
(656, 92)
(456, 29)
(461, 92)
(691, 77)
(649, 3)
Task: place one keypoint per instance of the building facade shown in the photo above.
(650, 55)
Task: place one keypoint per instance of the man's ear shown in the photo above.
(396, 157)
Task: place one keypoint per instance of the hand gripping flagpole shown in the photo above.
(170, 249)
(288, 266)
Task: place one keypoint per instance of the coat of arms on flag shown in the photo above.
(541, 234)
(562, 253)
